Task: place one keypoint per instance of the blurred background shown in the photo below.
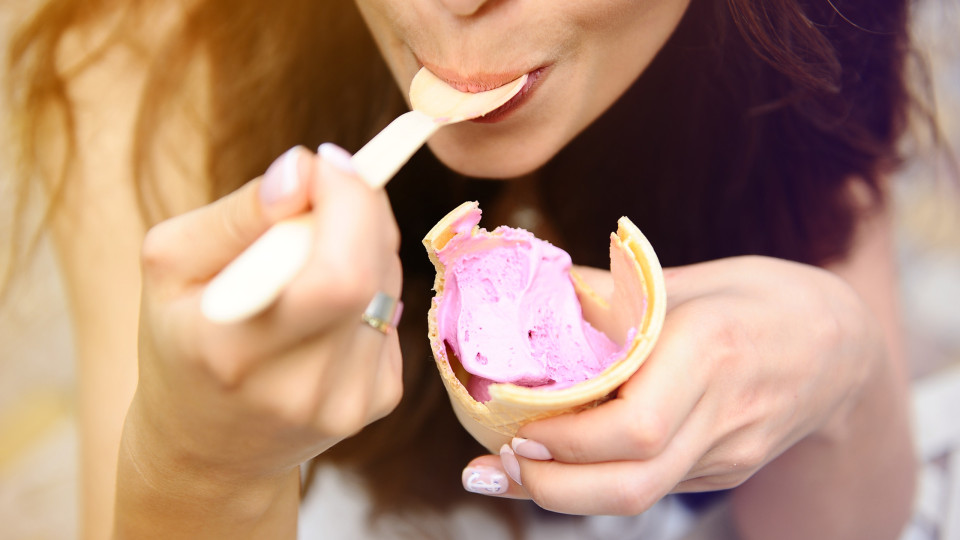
(38, 474)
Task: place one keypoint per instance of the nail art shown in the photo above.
(484, 480)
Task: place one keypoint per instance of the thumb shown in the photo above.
(193, 247)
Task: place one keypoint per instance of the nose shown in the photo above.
(463, 8)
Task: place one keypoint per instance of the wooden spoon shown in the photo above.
(252, 281)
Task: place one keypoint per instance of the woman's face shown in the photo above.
(581, 55)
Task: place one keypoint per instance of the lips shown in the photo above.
(474, 82)
(480, 82)
(501, 112)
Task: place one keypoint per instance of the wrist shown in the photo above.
(862, 366)
(162, 489)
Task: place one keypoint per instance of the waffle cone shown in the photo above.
(638, 302)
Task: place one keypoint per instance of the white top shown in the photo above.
(336, 508)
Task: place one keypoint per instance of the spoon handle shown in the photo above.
(390, 149)
(252, 281)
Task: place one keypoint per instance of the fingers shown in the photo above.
(614, 488)
(639, 422)
(196, 245)
(624, 487)
(626, 454)
(611, 488)
(355, 253)
(486, 475)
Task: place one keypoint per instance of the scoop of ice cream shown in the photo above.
(510, 313)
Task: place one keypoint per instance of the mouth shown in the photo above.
(488, 81)
(505, 110)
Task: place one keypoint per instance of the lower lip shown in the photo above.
(502, 112)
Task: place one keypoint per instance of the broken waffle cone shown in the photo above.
(637, 303)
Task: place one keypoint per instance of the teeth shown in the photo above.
(638, 302)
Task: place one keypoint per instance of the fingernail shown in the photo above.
(338, 157)
(530, 449)
(282, 177)
(510, 463)
(484, 480)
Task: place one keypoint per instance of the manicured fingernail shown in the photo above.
(338, 157)
(282, 177)
(485, 480)
(530, 449)
(510, 463)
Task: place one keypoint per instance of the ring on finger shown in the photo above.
(383, 312)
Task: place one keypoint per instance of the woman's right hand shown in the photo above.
(230, 404)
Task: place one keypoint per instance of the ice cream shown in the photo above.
(506, 307)
(510, 312)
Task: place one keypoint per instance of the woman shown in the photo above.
(750, 142)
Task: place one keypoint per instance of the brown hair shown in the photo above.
(741, 137)
(744, 133)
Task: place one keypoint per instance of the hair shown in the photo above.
(741, 137)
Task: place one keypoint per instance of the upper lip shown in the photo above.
(474, 82)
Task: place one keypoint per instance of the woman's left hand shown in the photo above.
(756, 354)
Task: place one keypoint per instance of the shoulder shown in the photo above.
(96, 149)
(100, 154)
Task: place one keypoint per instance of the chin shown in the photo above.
(493, 157)
(500, 166)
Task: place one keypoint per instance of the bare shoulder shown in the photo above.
(97, 225)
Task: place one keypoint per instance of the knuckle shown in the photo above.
(725, 337)
(341, 415)
(155, 250)
(291, 403)
(828, 329)
(226, 362)
(731, 480)
(748, 458)
(713, 482)
(727, 340)
(648, 434)
(628, 498)
(298, 410)
(227, 374)
(391, 394)
(340, 420)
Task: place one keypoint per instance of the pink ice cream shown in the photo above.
(510, 313)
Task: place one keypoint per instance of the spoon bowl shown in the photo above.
(435, 98)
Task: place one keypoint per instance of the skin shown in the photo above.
(782, 379)
(474, 45)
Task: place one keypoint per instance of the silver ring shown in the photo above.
(383, 312)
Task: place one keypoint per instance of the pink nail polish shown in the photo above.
(337, 156)
(282, 177)
(530, 449)
(510, 463)
(484, 480)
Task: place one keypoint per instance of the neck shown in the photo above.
(521, 206)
